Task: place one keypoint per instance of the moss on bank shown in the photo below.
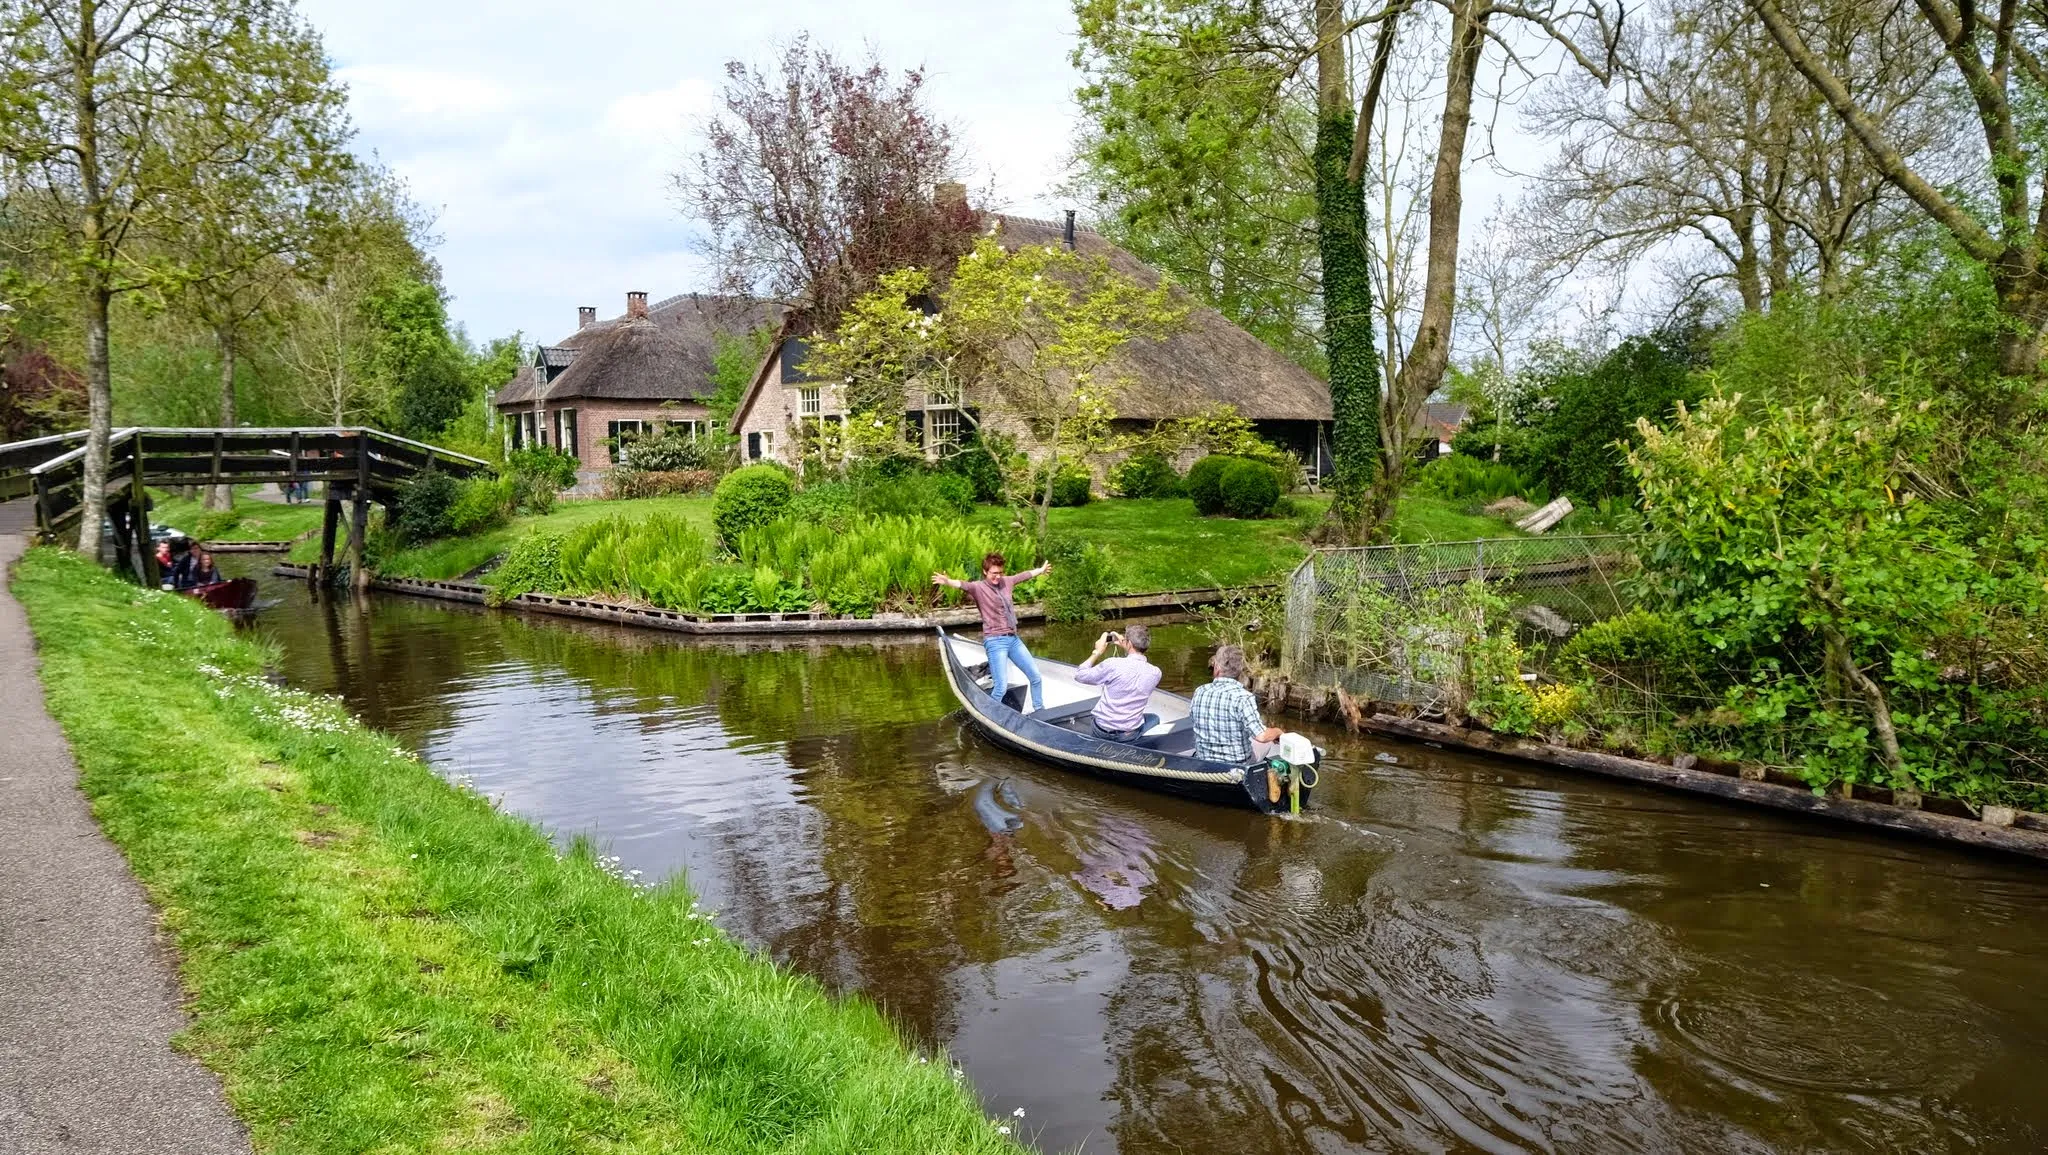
(378, 960)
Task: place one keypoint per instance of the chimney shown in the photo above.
(636, 304)
(1067, 234)
(586, 316)
(949, 194)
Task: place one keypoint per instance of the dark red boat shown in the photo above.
(233, 595)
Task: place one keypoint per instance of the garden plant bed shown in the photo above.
(2001, 829)
(604, 610)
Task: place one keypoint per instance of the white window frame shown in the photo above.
(942, 428)
(565, 431)
(614, 428)
(810, 401)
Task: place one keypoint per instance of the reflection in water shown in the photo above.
(1451, 954)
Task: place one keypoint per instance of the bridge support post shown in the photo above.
(330, 519)
(138, 518)
(358, 526)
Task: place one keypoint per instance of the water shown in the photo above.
(1451, 954)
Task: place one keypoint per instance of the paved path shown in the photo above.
(88, 1002)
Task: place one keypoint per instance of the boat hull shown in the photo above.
(1086, 753)
(233, 594)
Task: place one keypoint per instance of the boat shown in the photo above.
(1162, 758)
(234, 595)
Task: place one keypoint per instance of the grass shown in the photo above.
(1158, 544)
(1420, 518)
(378, 960)
(260, 520)
(453, 557)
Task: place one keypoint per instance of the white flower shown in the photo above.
(1004, 1130)
(1019, 1113)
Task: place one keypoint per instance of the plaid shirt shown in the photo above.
(1226, 721)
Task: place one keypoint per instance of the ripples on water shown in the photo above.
(1449, 954)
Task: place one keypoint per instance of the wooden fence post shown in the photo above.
(359, 524)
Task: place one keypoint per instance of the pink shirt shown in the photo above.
(1127, 684)
(997, 605)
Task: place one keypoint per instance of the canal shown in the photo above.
(1451, 954)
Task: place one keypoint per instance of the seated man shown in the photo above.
(195, 569)
(1227, 723)
(1127, 684)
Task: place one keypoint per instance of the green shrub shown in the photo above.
(914, 495)
(1081, 577)
(1461, 477)
(533, 565)
(1636, 638)
(1145, 474)
(826, 503)
(543, 463)
(1249, 489)
(1203, 483)
(1070, 487)
(748, 498)
(630, 483)
(673, 450)
(216, 524)
(975, 463)
(423, 506)
(482, 503)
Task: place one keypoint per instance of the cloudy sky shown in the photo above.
(542, 134)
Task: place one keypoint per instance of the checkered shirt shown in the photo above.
(1226, 721)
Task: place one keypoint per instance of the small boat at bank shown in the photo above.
(1062, 734)
(236, 595)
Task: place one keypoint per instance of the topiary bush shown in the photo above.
(1145, 475)
(1203, 483)
(750, 497)
(1249, 489)
(421, 511)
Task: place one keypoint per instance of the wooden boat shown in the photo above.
(1063, 734)
(233, 595)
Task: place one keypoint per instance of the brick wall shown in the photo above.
(593, 418)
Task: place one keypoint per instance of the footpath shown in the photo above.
(89, 998)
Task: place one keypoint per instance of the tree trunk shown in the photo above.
(1430, 353)
(99, 392)
(223, 496)
(1874, 700)
(1347, 286)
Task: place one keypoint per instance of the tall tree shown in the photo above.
(817, 176)
(1995, 56)
(109, 131)
(1709, 138)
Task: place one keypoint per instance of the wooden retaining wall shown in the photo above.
(1998, 828)
(648, 617)
(246, 546)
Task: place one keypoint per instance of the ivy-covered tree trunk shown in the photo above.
(1347, 291)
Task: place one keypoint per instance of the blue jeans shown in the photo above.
(1003, 650)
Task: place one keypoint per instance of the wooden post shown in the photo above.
(138, 517)
(329, 519)
(293, 468)
(359, 524)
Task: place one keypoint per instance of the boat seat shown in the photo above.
(1059, 714)
(1180, 733)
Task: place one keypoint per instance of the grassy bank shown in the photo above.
(377, 960)
(253, 520)
(456, 556)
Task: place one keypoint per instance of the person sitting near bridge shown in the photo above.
(1127, 683)
(193, 570)
(993, 595)
(1227, 723)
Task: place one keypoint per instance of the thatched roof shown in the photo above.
(1210, 361)
(663, 356)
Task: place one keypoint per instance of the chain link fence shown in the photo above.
(1393, 622)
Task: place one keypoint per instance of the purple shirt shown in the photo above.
(1127, 684)
(998, 607)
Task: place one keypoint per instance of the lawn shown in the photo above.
(255, 520)
(453, 557)
(374, 959)
(1158, 544)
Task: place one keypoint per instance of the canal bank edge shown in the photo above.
(2000, 829)
(605, 610)
(371, 951)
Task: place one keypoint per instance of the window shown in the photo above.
(565, 430)
(808, 402)
(621, 434)
(942, 429)
(768, 445)
(753, 447)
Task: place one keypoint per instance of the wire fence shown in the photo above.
(1394, 623)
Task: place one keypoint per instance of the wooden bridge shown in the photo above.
(359, 467)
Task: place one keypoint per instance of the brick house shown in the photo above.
(618, 379)
(1209, 361)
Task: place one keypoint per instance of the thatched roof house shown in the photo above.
(1210, 361)
(618, 378)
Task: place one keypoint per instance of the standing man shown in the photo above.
(1127, 684)
(993, 596)
(1227, 723)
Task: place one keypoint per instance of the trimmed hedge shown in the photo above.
(749, 498)
(1249, 489)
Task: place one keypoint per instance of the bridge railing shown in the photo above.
(367, 463)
